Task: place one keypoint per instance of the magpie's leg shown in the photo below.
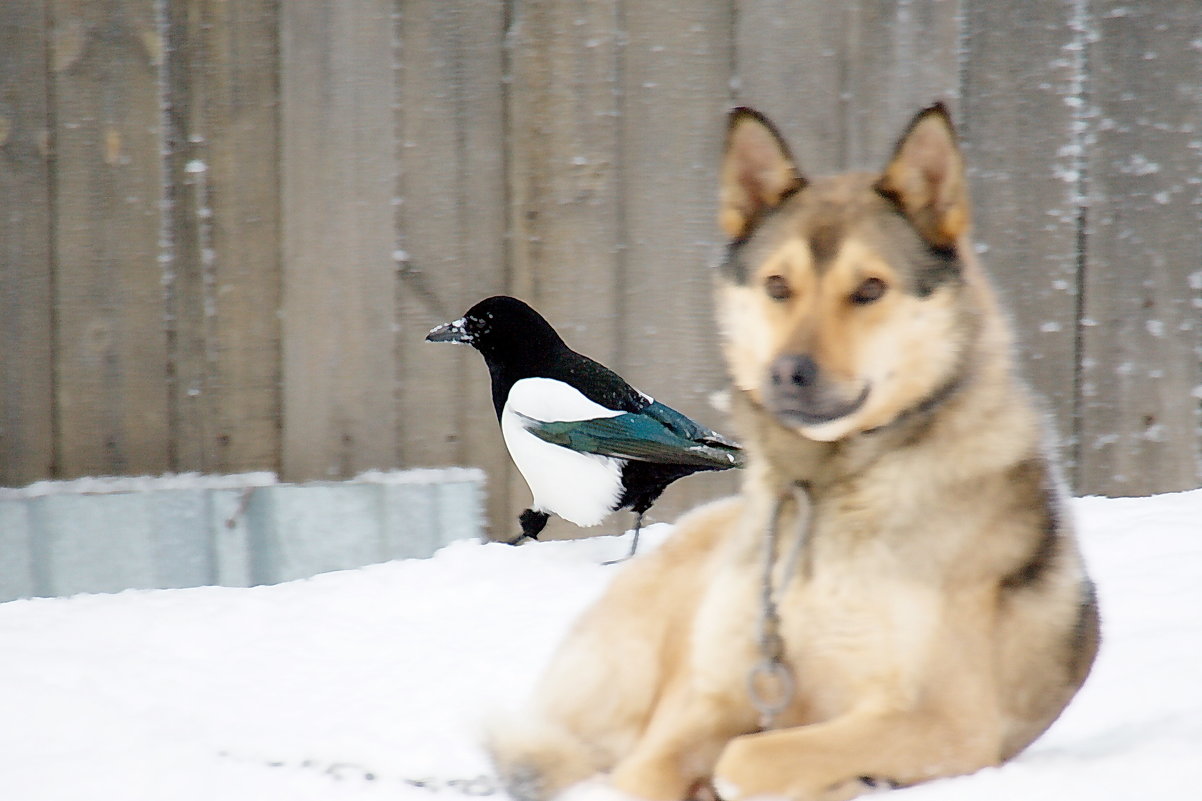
(532, 525)
(638, 526)
(634, 544)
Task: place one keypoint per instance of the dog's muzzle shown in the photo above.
(799, 394)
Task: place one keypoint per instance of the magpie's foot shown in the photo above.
(634, 543)
(634, 546)
(532, 525)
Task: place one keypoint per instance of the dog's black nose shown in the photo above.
(798, 371)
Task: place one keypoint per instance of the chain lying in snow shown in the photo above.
(481, 785)
(475, 786)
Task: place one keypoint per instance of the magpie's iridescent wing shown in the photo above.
(663, 436)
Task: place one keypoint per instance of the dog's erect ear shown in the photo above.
(926, 178)
(757, 171)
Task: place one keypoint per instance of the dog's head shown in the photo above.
(840, 298)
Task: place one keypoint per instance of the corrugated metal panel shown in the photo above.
(62, 538)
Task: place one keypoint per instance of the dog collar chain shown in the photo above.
(770, 683)
(477, 786)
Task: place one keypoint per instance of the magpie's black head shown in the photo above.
(503, 329)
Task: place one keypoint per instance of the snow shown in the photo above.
(375, 683)
(104, 485)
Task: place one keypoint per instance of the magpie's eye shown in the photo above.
(869, 291)
(777, 287)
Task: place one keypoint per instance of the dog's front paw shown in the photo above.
(757, 768)
(737, 776)
(728, 790)
(752, 769)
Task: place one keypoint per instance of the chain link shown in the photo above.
(770, 683)
(477, 786)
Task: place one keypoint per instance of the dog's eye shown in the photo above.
(777, 287)
(870, 291)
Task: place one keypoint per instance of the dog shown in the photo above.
(896, 594)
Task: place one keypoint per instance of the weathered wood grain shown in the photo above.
(564, 128)
(898, 58)
(338, 179)
(26, 262)
(790, 64)
(226, 227)
(676, 91)
(1020, 123)
(1140, 361)
(451, 226)
(225, 238)
(111, 370)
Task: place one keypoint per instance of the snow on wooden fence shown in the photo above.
(107, 535)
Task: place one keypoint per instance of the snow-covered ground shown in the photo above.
(373, 683)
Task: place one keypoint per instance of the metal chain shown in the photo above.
(770, 682)
(476, 786)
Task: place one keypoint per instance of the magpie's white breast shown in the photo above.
(579, 487)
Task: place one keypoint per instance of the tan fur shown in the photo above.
(940, 618)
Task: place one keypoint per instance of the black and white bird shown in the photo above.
(586, 442)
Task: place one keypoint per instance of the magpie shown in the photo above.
(586, 442)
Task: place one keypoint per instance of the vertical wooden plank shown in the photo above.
(675, 85)
(1140, 333)
(563, 115)
(1023, 79)
(451, 221)
(842, 80)
(225, 234)
(190, 274)
(789, 65)
(337, 178)
(26, 334)
(564, 123)
(111, 362)
(901, 55)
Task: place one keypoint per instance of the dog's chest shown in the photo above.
(854, 618)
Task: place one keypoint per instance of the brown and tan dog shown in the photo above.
(924, 577)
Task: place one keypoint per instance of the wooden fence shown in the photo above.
(226, 226)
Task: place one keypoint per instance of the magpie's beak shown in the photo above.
(450, 332)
